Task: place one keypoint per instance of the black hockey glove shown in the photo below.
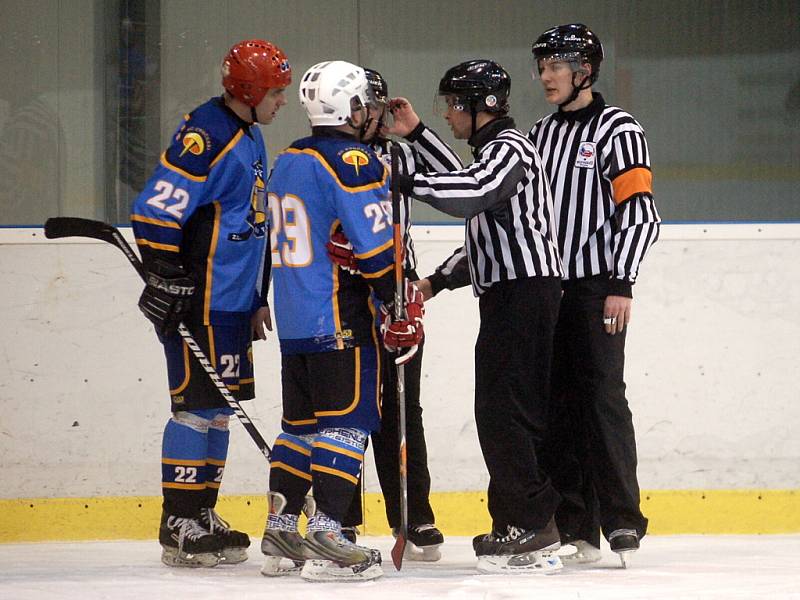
(167, 297)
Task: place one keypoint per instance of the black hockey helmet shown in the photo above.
(568, 43)
(480, 85)
(378, 84)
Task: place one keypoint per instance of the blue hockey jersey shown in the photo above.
(319, 184)
(205, 208)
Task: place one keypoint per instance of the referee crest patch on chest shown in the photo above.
(586, 155)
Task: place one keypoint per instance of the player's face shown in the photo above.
(460, 121)
(557, 79)
(269, 106)
(375, 114)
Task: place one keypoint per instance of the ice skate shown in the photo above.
(234, 543)
(423, 543)
(350, 534)
(282, 545)
(520, 551)
(331, 557)
(624, 542)
(579, 552)
(186, 543)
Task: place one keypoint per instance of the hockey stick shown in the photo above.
(61, 227)
(399, 297)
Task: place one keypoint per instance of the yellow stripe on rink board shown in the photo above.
(457, 513)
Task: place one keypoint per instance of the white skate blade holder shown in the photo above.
(278, 566)
(233, 556)
(422, 553)
(545, 562)
(579, 552)
(172, 558)
(326, 570)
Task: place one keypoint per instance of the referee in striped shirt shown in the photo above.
(598, 166)
(511, 259)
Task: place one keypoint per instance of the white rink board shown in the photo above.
(711, 369)
(666, 568)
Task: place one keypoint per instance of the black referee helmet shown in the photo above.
(567, 41)
(481, 85)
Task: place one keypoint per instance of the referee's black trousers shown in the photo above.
(591, 454)
(512, 397)
(386, 444)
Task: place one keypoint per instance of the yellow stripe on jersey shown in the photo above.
(324, 163)
(337, 319)
(338, 450)
(215, 462)
(293, 446)
(335, 472)
(290, 469)
(157, 246)
(212, 250)
(375, 251)
(228, 148)
(151, 221)
(630, 183)
(180, 171)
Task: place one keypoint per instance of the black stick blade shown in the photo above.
(61, 227)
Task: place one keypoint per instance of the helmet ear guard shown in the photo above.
(252, 67)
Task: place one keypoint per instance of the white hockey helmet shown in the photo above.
(331, 90)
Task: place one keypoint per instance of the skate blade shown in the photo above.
(278, 566)
(422, 553)
(326, 570)
(543, 561)
(233, 556)
(172, 558)
(625, 557)
(579, 554)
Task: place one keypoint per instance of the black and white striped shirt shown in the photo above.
(510, 229)
(598, 166)
(426, 153)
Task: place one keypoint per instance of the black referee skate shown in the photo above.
(519, 550)
(186, 543)
(624, 542)
(424, 542)
(234, 543)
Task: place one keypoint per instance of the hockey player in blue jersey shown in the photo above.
(326, 322)
(200, 225)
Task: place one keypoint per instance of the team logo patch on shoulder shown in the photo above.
(195, 141)
(586, 155)
(355, 158)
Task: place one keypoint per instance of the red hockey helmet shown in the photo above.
(252, 67)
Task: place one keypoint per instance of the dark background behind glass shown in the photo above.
(92, 90)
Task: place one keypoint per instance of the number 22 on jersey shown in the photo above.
(290, 232)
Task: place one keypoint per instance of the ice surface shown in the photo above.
(674, 567)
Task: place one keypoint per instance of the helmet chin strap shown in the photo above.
(253, 114)
(576, 89)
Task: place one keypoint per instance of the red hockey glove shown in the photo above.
(408, 332)
(340, 251)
